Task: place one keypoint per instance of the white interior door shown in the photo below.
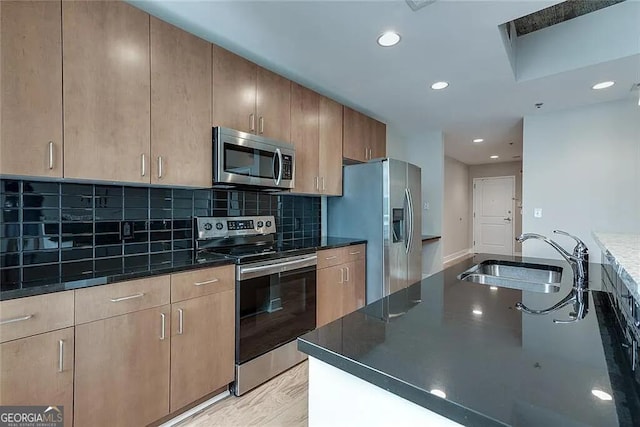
(493, 210)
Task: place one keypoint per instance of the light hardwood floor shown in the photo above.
(280, 402)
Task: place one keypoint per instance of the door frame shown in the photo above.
(473, 208)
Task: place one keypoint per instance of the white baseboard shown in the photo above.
(177, 420)
(517, 253)
(454, 256)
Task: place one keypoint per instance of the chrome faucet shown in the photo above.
(578, 260)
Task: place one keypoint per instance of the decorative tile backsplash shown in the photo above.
(57, 232)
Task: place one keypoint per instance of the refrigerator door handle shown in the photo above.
(407, 227)
(411, 224)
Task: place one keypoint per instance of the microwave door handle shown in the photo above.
(279, 178)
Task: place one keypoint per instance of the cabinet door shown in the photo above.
(234, 91)
(180, 107)
(273, 106)
(31, 88)
(38, 370)
(305, 105)
(378, 140)
(202, 346)
(330, 150)
(330, 293)
(122, 369)
(354, 296)
(106, 91)
(355, 133)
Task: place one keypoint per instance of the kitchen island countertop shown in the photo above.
(496, 365)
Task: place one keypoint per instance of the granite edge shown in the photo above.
(631, 284)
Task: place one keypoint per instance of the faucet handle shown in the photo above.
(580, 244)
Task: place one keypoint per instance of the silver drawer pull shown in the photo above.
(163, 319)
(61, 356)
(347, 279)
(208, 282)
(50, 154)
(354, 253)
(180, 321)
(331, 257)
(140, 295)
(16, 319)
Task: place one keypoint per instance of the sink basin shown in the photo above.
(513, 275)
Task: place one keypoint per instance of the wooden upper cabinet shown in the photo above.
(330, 155)
(106, 91)
(355, 135)
(180, 107)
(379, 139)
(249, 98)
(273, 103)
(31, 88)
(305, 105)
(234, 91)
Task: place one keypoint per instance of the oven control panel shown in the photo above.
(213, 227)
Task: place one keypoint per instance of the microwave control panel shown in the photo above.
(287, 171)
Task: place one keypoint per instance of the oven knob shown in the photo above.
(207, 226)
(260, 224)
(268, 224)
(219, 226)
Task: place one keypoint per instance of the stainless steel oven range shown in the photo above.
(275, 294)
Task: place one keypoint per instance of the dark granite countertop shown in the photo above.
(497, 365)
(290, 247)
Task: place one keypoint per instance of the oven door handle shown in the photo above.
(276, 268)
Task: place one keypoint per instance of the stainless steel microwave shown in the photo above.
(248, 159)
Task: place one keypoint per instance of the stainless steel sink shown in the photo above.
(513, 275)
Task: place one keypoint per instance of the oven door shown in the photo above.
(276, 303)
(242, 158)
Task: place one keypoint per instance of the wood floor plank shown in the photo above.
(283, 401)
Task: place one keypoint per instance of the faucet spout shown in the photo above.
(566, 255)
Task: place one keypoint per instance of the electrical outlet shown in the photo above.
(126, 230)
(537, 213)
(426, 206)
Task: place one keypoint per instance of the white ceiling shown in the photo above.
(331, 47)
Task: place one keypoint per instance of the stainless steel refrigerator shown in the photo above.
(381, 202)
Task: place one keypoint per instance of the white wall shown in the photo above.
(582, 167)
(427, 151)
(457, 207)
(498, 169)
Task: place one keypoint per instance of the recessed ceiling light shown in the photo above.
(603, 85)
(389, 38)
(601, 394)
(494, 157)
(439, 85)
(478, 140)
(477, 312)
(438, 393)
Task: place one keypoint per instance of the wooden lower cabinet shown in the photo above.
(202, 346)
(122, 369)
(341, 290)
(38, 370)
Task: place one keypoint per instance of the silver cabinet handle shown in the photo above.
(317, 185)
(341, 275)
(50, 154)
(252, 122)
(366, 153)
(261, 121)
(163, 318)
(16, 319)
(180, 321)
(159, 167)
(347, 274)
(331, 257)
(354, 253)
(208, 282)
(60, 355)
(144, 169)
(369, 153)
(128, 297)
(322, 183)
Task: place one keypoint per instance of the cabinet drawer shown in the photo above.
(197, 283)
(330, 257)
(24, 317)
(105, 301)
(354, 253)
